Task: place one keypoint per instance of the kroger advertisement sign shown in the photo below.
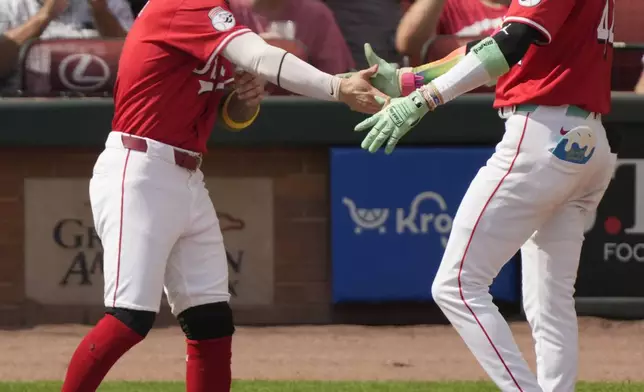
(391, 218)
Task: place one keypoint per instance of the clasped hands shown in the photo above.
(396, 115)
(376, 91)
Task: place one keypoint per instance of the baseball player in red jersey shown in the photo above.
(158, 227)
(553, 62)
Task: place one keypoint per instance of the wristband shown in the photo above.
(232, 124)
(436, 95)
(409, 82)
(431, 95)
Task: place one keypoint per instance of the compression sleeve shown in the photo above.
(430, 71)
(427, 72)
(251, 53)
(487, 60)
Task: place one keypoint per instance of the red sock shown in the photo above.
(208, 367)
(97, 353)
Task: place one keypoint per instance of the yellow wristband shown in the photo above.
(232, 124)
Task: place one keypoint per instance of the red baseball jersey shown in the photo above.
(171, 73)
(572, 66)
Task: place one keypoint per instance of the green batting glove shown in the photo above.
(393, 122)
(386, 79)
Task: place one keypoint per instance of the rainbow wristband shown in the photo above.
(232, 124)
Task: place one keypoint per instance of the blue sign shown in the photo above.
(391, 217)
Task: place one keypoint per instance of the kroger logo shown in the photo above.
(407, 220)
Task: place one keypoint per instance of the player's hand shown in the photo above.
(359, 94)
(249, 88)
(387, 79)
(397, 118)
(53, 8)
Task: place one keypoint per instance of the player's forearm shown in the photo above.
(489, 59)
(427, 72)
(418, 25)
(469, 74)
(431, 71)
(253, 54)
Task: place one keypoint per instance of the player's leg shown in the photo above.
(138, 217)
(550, 259)
(197, 289)
(507, 201)
(548, 287)
(473, 258)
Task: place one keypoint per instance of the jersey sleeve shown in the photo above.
(228, 72)
(203, 31)
(547, 16)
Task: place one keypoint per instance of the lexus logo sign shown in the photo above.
(83, 72)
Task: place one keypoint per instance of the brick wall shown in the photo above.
(301, 211)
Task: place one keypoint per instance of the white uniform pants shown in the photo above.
(526, 197)
(158, 228)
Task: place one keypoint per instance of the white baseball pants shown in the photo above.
(526, 198)
(158, 228)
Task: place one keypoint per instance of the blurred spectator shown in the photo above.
(426, 18)
(22, 20)
(314, 26)
(372, 21)
(639, 88)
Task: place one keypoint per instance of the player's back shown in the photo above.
(574, 68)
(162, 92)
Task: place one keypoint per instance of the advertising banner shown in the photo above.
(72, 66)
(612, 259)
(391, 218)
(64, 256)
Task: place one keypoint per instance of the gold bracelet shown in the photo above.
(232, 124)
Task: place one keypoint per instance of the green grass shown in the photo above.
(312, 386)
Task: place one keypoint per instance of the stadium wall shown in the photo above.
(50, 258)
